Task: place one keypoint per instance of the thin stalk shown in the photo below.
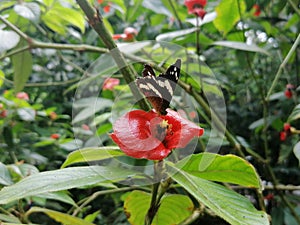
(282, 65)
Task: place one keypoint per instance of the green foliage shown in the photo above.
(238, 61)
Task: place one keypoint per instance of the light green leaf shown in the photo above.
(174, 34)
(11, 219)
(297, 151)
(228, 14)
(28, 10)
(2, 76)
(228, 168)
(26, 114)
(295, 115)
(229, 205)
(58, 196)
(241, 46)
(62, 179)
(92, 154)
(8, 40)
(5, 178)
(59, 217)
(173, 209)
(158, 7)
(22, 65)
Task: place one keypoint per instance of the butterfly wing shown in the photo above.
(159, 90)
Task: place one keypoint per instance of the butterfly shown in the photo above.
(159, 90)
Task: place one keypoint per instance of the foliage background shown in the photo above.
(47, 46)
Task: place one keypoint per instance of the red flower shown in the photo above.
(110, 83)
(147, 135)
(22, 95)
(196, 7)
(288, 91)
(55, 136)
(257, 10)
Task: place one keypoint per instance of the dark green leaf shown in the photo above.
(22, 65)
(173, 209)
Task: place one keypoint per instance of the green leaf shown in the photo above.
(8, 40)
(297, 151)
(229, 205)
(9, 218)
(158, 7)
(241, 46)
(228, 14)
(59, 217)
(28, 10)
(58, 196)
(173, 209)
(22, 65)
(2, 75)
(174, 34)
(26, 114)
(92, 154)
(62, 179)
(295, 115)
(228, 168)
(5, 178)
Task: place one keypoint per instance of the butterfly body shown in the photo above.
(159, 89)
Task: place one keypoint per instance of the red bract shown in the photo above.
(128, 35)
(147, 135)
(196, 7)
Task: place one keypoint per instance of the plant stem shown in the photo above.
(96, 21)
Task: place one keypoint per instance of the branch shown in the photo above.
(96, 21)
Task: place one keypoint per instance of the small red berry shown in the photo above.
(283, 136)
(257, 10)
(286, 127)
(55, 136)
(106, 8)
(3, 113)
(288, 93)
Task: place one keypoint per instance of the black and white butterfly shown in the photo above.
(159, 90)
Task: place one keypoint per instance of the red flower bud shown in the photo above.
(85, 127)
(22, 95)
(53, 115)
(147, 135)
(110, 83)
